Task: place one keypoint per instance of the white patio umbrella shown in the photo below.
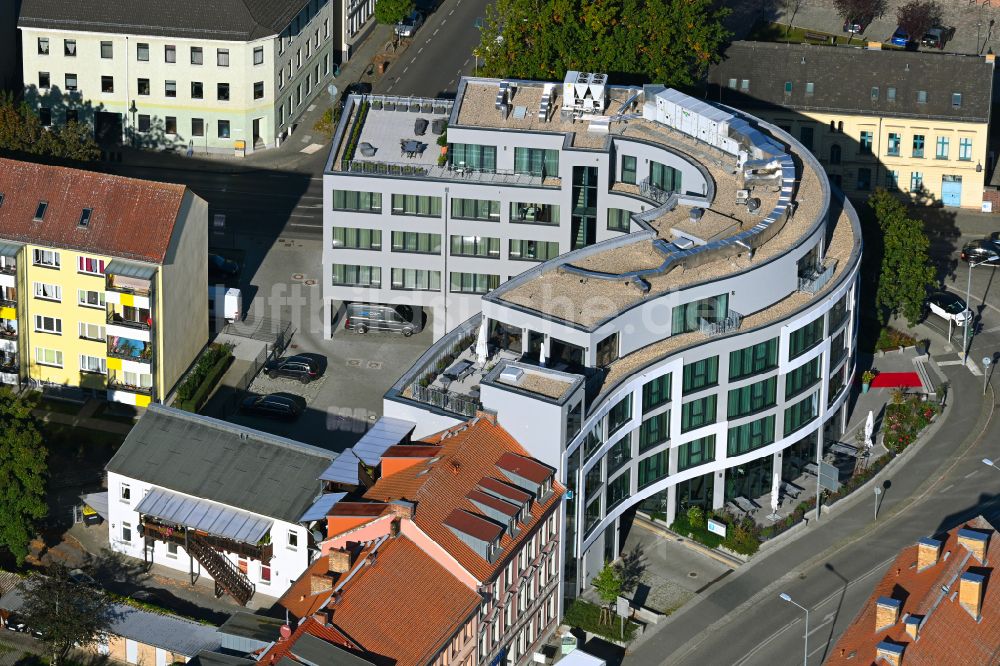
(541, 354)
(481, 351)
(869, 428)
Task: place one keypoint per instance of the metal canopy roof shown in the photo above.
(386, 432)
(342, 470)
(98, 502)
(129, 269)
(9, 249)
(321, 507)
(199, 514)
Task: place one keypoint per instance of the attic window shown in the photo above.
(874, 93)
(1, 198)
(890, 94)
(921, 97)
(810, 87)
(85, 217)
(956, 100)
(40, 211)
(788, 87)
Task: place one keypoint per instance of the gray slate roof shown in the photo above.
(843, 79)
(229, 20)
(222, 462)
(207, 658)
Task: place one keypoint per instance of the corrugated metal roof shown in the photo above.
(206, 658)
(8, 249)
(342, 470)
(210, 517)
(315, 651)
(98, 502)
(386, 432)
(168, 632)
(222, 462)
(129, 269)
(321, 507)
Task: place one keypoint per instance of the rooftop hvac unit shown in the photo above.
(511, 375)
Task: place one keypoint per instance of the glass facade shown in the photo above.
(475, 209)
(413, 204)
(618, 219)
(351, 275)
(656, 392)
(753, 398)
(414, 279)
(413, 241)
(654, 431)
(358, 202)
(803, 339)
(801, 413)
(696, 452)
(619, 454)
(473, 156)
(584, 219)
(802, 378)
(475, 246)
(356, 239)
(534, 213)
(628, 169)
(473, 283)
(701, 374)
(686, 318)
(698, 413)
(653, 468)
(531, 250)
(618, 489)
(750, 361)
(536, 162)
(620, 414)
(749, 436)
(666, 178)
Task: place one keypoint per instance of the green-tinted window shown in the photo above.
(413, 241)
(618, 489)
(536, 162)
(665, 178)
(416, 279)
(656, 392)
(750, 436)
(619, 454)
(620, 414)
(838, 314)
(653, 468)
(523, 212)
(700, 374)
(359, 202)
(473, 283)
(805, 338)
(618, 219)
(753, 398)
(801, 378)
(473, 156)
(628, 169)
(475, 246)
(592, 515)
(475, 209)
(800, 414)
(654, 431)
(592, 442)
(413, 204)
(698, 413)
(687, 317)
(753, 360)
(356, 276)
(694, 453)
(531, 250)
(356, 239)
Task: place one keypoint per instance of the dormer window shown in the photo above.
(788, 87)
(956, 100)
(85, 217)
(40, 211)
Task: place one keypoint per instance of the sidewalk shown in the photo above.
(684, 631)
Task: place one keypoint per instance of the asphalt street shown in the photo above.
(441, 52)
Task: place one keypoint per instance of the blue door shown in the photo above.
(951, 190)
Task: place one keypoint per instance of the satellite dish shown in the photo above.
(332, 89)
(317, 535)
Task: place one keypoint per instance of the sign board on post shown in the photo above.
(717, 527)
(829, 477)
(622, 607)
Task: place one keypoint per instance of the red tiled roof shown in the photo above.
(505, 489)
(313, 628)
(300, 600)
(469, 453)
(411, 451)
(948, 634)
(527, 468)
(506, 508)
(473, 525)
(358, 509)
(132, 219)
(405, 607)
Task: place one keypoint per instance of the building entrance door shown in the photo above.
(258, 140)
(951, 190)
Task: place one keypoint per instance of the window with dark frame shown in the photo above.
(197, 127)
(69, 48)
(144, 122)
(222, 57)
(107, 50)
(258, 90)
(197, 90)
(223, 129)
(142, 87)
(107, 84)
(170, 88)
(197, 56)
(142, 52)
(43, 46)
(43, 80)
(222, 92)
(170, 53)
(258, 55)
(170, 124)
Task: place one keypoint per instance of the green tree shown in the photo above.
(65, 612)
(916, 17)
(608, 583)
(906, 272)
(391, 12)
(77, 142)
(23, 469)
(21, 131)
(672, 42)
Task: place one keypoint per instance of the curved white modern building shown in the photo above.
(701, 358)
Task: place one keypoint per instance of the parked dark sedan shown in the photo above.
(302, 368)
(273, 406)
(985, 251)
(219, 266)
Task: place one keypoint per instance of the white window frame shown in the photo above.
(125, 493)
(42, 287)
(82, 299)
(86, 366)
(40, 325)
(172, 554)
(57, 356)
(49, 258)
(84, 331)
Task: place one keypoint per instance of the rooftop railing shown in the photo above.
(728, 324)
(650, 191)
(814, 281)
(447, 172)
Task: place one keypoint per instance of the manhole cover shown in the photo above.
(297, 276)
(354, 362)
(374, 365)
(693, 574)
(310, 283)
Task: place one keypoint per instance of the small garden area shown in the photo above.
(587, 616)
(206, 373)
(786, 34)
(742, 535)
(891, 339)
(905, 417)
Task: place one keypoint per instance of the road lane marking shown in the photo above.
(957, 361)
(950, 486)
(309, 215)
(443, 21)
(420, 51)
(307, 226)
(465, 63)
(971, 474)
(451, 12)
(436, 30)
(405, 69)
(412, 60)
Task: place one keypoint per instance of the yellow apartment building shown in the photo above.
(102, 282)
(912, 122)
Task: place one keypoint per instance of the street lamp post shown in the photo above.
(986, 371)
(878, 491)
(805, 649)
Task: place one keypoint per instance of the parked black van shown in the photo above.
(364, 317)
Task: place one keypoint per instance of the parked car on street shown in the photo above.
(899, 38)
(949, 307)
(408, 26)
(220, 267)
(984, 251)
(298, 367)
(856, 25)
(364, 317)
(934, 39)
(272, 406)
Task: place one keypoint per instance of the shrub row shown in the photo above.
(207, 371)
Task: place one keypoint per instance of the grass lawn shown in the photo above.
(777, 32)
(587, 616)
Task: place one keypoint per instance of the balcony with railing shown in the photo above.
(8, 329)
(134, 318)
(727, 324)
(651, 191)
(154, 529)
(126, 284)
(8, 266)
(8, 297)
(813, 280)
(117, 382)
(129, 349)
(8, 363)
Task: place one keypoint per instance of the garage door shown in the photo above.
(951, 190)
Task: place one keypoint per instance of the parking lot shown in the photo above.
(356, 369)
(968, 22)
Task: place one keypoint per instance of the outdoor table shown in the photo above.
(745, 504)
(458, 370)
(811, 468)
(412, 148)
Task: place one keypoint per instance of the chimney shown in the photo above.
(970, 593)
(324, 616)
(912, 625)
(886, 612)
(402, 509)
(928, 552)
(975, 542)
(891, 653)
(339, 561)
(319, 583)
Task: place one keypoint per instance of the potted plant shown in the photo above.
(866, 380)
